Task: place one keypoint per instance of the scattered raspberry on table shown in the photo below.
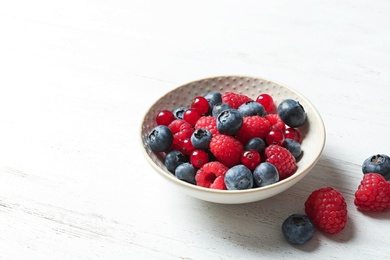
(327, 208)
(373, 193)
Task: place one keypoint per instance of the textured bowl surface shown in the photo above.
(313, 134)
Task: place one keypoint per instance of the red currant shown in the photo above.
(275, 136)
(200, 104)
(198, 158)
(266, 101)
(251, 159)
(292, 133)
(191, 116)
(165, 117)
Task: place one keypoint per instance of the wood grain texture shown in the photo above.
(76, 78)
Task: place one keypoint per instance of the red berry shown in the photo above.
(191, 116)
(165, 117)
(177, 125)
(212, 175)
(266, 101)
(292, 133)
(253, 126)
(226, 149)
(198, 158)
(275, 121)
(209, 123)
(200, 104)
(251, 159)
(373, 193)
(185, 133)
(327, 208)
(275, 136)
(183, 145)
(283, 160)
(235, 100)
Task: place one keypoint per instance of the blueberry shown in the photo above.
(201, 138)
(257, 144)
(218, 108)
(252, 108)
(294, 147)
(265, 174)
(160, 138)
(173, 159)
(186, 172)
(298, 229)
(213, 98)
(229, 122)
(292, 113)
(239, 177)
(379, 163)
(179, 112)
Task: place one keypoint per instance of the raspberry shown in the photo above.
(275, 121)
(226, 149)
(182, 136)
(373, 193)
(235, 100)
(212, 175)
(253, 126)
(327, 208)
(209, 123)
(177, 125)
(283, 160)
(184, 133)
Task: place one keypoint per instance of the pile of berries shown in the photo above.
(326, 208)
(230, 141)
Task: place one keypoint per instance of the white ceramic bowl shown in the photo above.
(313, 134)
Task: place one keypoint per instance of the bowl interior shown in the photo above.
(313, 133)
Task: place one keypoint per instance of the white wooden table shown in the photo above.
(77, 76)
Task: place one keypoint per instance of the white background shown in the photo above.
(76, 78)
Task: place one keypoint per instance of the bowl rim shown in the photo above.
(299, 174)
